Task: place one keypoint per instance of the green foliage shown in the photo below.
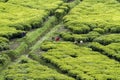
(22, 48)
(78, 37)
(80, 62)
(92, 20)
(67, 37)
(61, 11)
(88, 18)
(4, 43)
(3, 0)
(111, 50)
(4, 46)
(33, 36)
(4, 60)
(107, 39)
(78, 29)
(73, 4)
(24, 15)
(26, 68)
(99, 30)
(3, 40)
(9, 32)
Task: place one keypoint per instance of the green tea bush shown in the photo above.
(31, 69)
(97, 47)
(61, 11)
(114, 46)
(108, 50)
(107, 39)
(4, 60)
(79, 29)
(86, 64)
(22, 48)
(33, 36)
(3, 0)
(99, 30)
(47, 47)
(4, 44)
(92, 35)
(88, 18)
(112, 28)
(2, 39)
(67, 36)
(13, 14)
(9, 32)
(78, 37)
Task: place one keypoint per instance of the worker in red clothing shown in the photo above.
(57, 38)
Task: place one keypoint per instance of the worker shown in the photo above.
(75, 42)
(81, 42)
(23, 34)
(57, 38)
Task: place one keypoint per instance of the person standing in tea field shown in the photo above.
(57, 38)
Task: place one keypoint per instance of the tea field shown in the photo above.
(59, 40)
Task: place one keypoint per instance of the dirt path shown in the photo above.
(35, 48)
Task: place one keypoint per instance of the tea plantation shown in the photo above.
(59, 40)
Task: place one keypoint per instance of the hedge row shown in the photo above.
(107, 39)
(88, 17)
(10, 33)
(4, 43)
(111, 50)
(76, 37)
(26, 68)
(13, 14)
(4, 60)
(80, 62)
(3, 0)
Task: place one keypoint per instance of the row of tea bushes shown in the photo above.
(3, 40)
(25, 68)
(107, 39)
(17, 16)
(80, 62)
(87, 14)
(91, 36)
(25, 15)
(64, 8)
(28, 40)
(68, 36)
(4, 43)
(3, 0)
(4, 60)
(49, 6)
(114, 46)
(111, 50)
(87, 22)
(31, 38)
(9, 32)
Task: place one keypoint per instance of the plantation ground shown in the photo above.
(89, 40)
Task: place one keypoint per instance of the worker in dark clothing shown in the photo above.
(53, 38)
(23, 34)
(75, 42)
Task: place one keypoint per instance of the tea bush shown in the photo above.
(26, 68)
(80, 62)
